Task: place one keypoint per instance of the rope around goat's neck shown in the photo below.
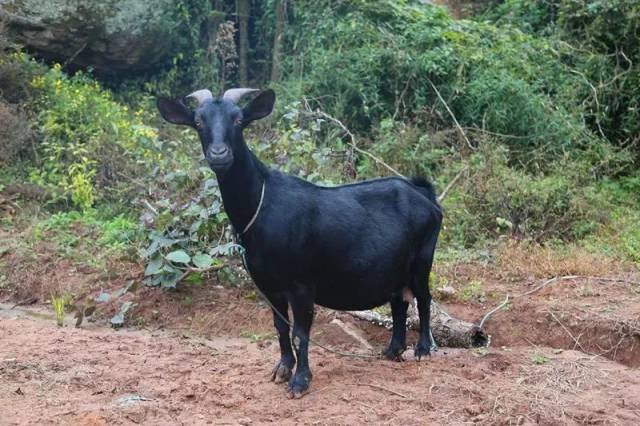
(255, 215)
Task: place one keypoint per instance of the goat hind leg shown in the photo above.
(423, 298)
(399, 333)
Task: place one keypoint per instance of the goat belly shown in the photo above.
(349, 302)
(354, 294)
(362, 278)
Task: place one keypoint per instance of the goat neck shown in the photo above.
(241, 186)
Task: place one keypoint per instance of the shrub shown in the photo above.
(499, 80)
(531, 16)
(186, 228)
(500, 200)
(89, 141)
(598, 43)
(17, 71)
(16, 137)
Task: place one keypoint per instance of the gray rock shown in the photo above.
(111, 36)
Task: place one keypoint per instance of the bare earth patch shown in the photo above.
(53, 375)
(597, 317)
(567, 354)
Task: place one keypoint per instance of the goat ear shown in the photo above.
(175, 112)
(260, 107)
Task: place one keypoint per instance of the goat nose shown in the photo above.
(218, 151)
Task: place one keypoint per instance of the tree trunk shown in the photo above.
(243, 10)
(216, 18)
(276, 58)
(447, 331)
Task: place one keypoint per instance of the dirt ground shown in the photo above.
(568, 353)
(94, 375)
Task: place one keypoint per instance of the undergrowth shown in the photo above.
(533, 106)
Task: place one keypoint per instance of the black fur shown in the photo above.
(348, 247)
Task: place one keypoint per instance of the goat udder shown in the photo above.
(407, 295)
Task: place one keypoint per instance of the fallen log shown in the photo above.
(447, 330)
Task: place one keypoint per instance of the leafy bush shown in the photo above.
(17, 71)
(91, 237)
(89, 142)
(16, 136)
(531, 16)
(499, 200)
(499, 80)
(598, 42)
(305, 145)
(186, 228)
(620, 235)
(119, 233)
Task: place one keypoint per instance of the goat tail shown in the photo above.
(426, 188)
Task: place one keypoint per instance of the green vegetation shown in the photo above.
(59, 304)
(88, 239)
(539, 359)
(533, 105)
(89, 141)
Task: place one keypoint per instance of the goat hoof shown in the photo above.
(299, 386)
(393, 354)
(420, 351)
(281, 373)
(297, 395)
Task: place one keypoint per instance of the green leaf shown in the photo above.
(226, 249)
(194, 278)
(202, 260)
(118, 319)
(169, 280)
(153, 280)
(169, 269)
(151, 250)
(103, 297)
(179, 256)
(164, 241)
(154, 266)
(195, 226)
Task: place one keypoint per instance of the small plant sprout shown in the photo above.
(539, 359)
(58, 307)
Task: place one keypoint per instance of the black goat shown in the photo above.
(348, 247)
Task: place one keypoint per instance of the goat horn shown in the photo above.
(201, 95)
(234, 95)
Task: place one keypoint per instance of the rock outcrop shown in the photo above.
(112, 36)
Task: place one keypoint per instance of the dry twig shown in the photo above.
(576, 341)
(352, 139)
(450, 185)
(371, 385)
(550, 281)
(455, 120)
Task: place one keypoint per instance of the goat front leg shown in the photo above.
(302, 306)
(284, 368)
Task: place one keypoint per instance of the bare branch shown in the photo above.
(444, 193)
(352, 138)
(455, 120)
(551, 281)
(371, 385)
